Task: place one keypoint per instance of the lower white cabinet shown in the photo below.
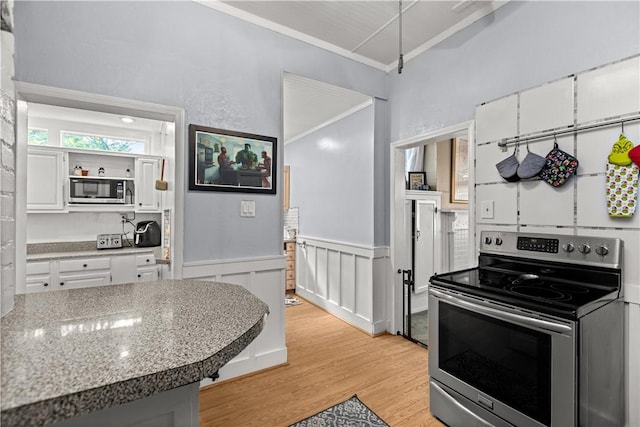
(76, 273)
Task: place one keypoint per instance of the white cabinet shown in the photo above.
(146, 197)
(45, 180)
(86, 272)
(39, 277)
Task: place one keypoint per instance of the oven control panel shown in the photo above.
(597, 251)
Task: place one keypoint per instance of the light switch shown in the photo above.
(486, 209)
(248, 208)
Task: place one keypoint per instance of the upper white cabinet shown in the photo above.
(45, 180)
(547, 107)
(147, 198)
(609, 91)
(497, 120)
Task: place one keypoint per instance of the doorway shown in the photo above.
(414, 295)
(173, 117)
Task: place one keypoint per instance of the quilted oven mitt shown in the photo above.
(622, 180)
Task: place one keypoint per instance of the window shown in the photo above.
(103, 143)
(38, 136)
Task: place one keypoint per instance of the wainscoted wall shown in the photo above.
(347, 280)
(606, 94)
(265, 278)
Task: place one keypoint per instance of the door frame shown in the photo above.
(399, 257)
(30, 92)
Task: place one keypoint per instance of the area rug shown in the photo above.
(290, 301)
(350, 413)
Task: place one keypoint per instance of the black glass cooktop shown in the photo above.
(558, 289)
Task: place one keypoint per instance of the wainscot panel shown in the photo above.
(346, 280)
(264, 277)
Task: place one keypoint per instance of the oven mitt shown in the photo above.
(622, 189)
(531, 165)
(634, 155)
(620, 152)
(559, 167)
(508, 168)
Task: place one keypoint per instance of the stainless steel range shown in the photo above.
(533, 336)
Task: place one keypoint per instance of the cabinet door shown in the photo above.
(45, 180)
(147, 274)
(147, 197)
(427, 250)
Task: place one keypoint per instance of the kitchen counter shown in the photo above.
(69, 250)
(77, 351)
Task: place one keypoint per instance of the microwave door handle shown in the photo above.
(460, 406)
(537, 323)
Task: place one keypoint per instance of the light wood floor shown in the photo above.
(329, 361)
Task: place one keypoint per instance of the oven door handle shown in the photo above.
(537, 323)
(460, 406)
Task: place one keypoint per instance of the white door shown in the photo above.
(427, 253)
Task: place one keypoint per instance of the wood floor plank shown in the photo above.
(329, 361)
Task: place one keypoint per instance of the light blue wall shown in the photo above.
(332, 180)
(224, 72)
(521, 45)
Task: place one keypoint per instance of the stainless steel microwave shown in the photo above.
(96, 191)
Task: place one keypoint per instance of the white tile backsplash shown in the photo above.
(609, 91)
(504, 198)
(497, 119)
(542, 204)
(487, 156)
(545, 107)
(592, 205)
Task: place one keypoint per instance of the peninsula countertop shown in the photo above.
(76, 351)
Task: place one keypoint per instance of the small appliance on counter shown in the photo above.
(109, 241)
(147, 234)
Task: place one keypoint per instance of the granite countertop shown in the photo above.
(76, 351)
(68, 250)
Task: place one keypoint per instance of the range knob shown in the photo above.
(584, 249)
(487, 240)
(602, 250)
(568, 247)
(498, 241)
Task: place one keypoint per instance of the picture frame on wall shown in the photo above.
(232, 161)
(417, 181)
(459, 171)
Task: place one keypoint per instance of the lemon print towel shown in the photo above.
(622, 180)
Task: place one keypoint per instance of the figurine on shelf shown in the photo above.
(77, 171)
(101, 171)
(127, 173)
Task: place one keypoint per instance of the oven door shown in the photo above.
(497, 361)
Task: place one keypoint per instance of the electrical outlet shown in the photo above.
(486, 209)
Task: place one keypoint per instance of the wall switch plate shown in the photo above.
(486, 209)
(248, 208)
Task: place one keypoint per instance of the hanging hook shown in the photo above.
(622, 127)
(527, 142)
(400, 57)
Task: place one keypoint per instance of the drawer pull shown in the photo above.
(61, 283)
(84, 265)
(148, 260)
(139, 275)
(46, 284)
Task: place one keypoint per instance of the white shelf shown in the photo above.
(101, 177)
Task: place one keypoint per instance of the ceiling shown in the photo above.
(363, 30)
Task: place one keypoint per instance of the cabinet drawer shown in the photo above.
(76, 281)
(145, 259)
(145, 274)
(291, 265)
(38, 283)
(85, 264)
(38, 267)
(291, 256)
(290, 246)
(291, 284)
(291, 274)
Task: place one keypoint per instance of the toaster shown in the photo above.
(147, 234)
